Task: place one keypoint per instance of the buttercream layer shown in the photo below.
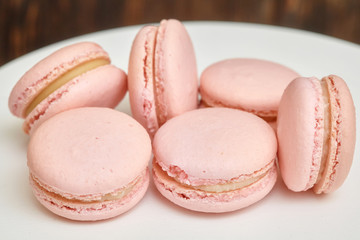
(48, 69)
(64, 78)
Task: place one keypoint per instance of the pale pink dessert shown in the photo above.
(89, 163)
(77, 75)
(162, 75)
(252, 85)
(215, 159)
(316, 134)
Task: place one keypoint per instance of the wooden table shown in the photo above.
(28, 25)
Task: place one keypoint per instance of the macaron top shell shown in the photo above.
(252, 85)
(48, 69)
(214, 145)
(88, 151)
(176, 82)
(300, 131)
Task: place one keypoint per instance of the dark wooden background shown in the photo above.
(26, 25)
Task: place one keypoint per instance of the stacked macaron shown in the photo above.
(89, 162)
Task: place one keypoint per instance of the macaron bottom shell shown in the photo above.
(93, 210)
(212, 202)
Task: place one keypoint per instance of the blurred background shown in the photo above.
(26, 25)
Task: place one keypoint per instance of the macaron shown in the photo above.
(316, 134)
(252, 85)
(215, 159)
(162, 74)
(77, 75)
(89, 163)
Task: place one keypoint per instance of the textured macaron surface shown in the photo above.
(214, 145)
(44, 72)
(176, 82)
(88, 152)
(300, 131)
(252, 85)
(162, 74)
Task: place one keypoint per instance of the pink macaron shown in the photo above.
(215, 159)
(89, 163)
(75, 76)
(162, 75)
(252, 85)
(316, 134)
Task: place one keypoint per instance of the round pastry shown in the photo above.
(215, 159)
(89, 163)
(316, 134)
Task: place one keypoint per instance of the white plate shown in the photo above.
(281, 215)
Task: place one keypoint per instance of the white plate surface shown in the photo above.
(281, 215)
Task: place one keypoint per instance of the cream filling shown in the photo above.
(156, 80)
(118, 195)
(218, 188)
(114, 196)
(64, 78)
(215, 188)
(327, 127)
